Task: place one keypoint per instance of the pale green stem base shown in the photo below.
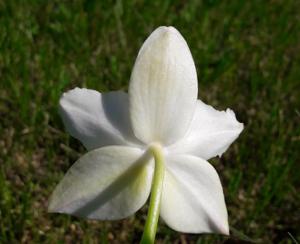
(156, 190)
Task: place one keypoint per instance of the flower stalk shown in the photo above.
(149, 233)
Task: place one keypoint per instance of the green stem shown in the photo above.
(156, 190)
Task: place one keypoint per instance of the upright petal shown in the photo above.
(163, 88)
(107, 183)
(210, 134)
(97, 119)
(192, 197)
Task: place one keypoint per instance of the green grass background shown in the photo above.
(247, 55)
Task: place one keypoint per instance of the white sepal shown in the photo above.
(108, 183)
(192, 198)
(163, 88)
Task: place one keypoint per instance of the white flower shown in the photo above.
(113, 180)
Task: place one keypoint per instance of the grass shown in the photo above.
(247, 58)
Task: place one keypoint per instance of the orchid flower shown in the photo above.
(155, 141)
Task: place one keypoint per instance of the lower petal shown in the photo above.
(108, 183)
(192, 198)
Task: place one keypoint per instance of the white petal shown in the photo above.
(97, 119)
(192, 198)
(210, 134)
(163, 88)
(107, 183)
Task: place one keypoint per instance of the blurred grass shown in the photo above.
(247, 57)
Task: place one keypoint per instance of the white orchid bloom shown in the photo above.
(160, 119)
